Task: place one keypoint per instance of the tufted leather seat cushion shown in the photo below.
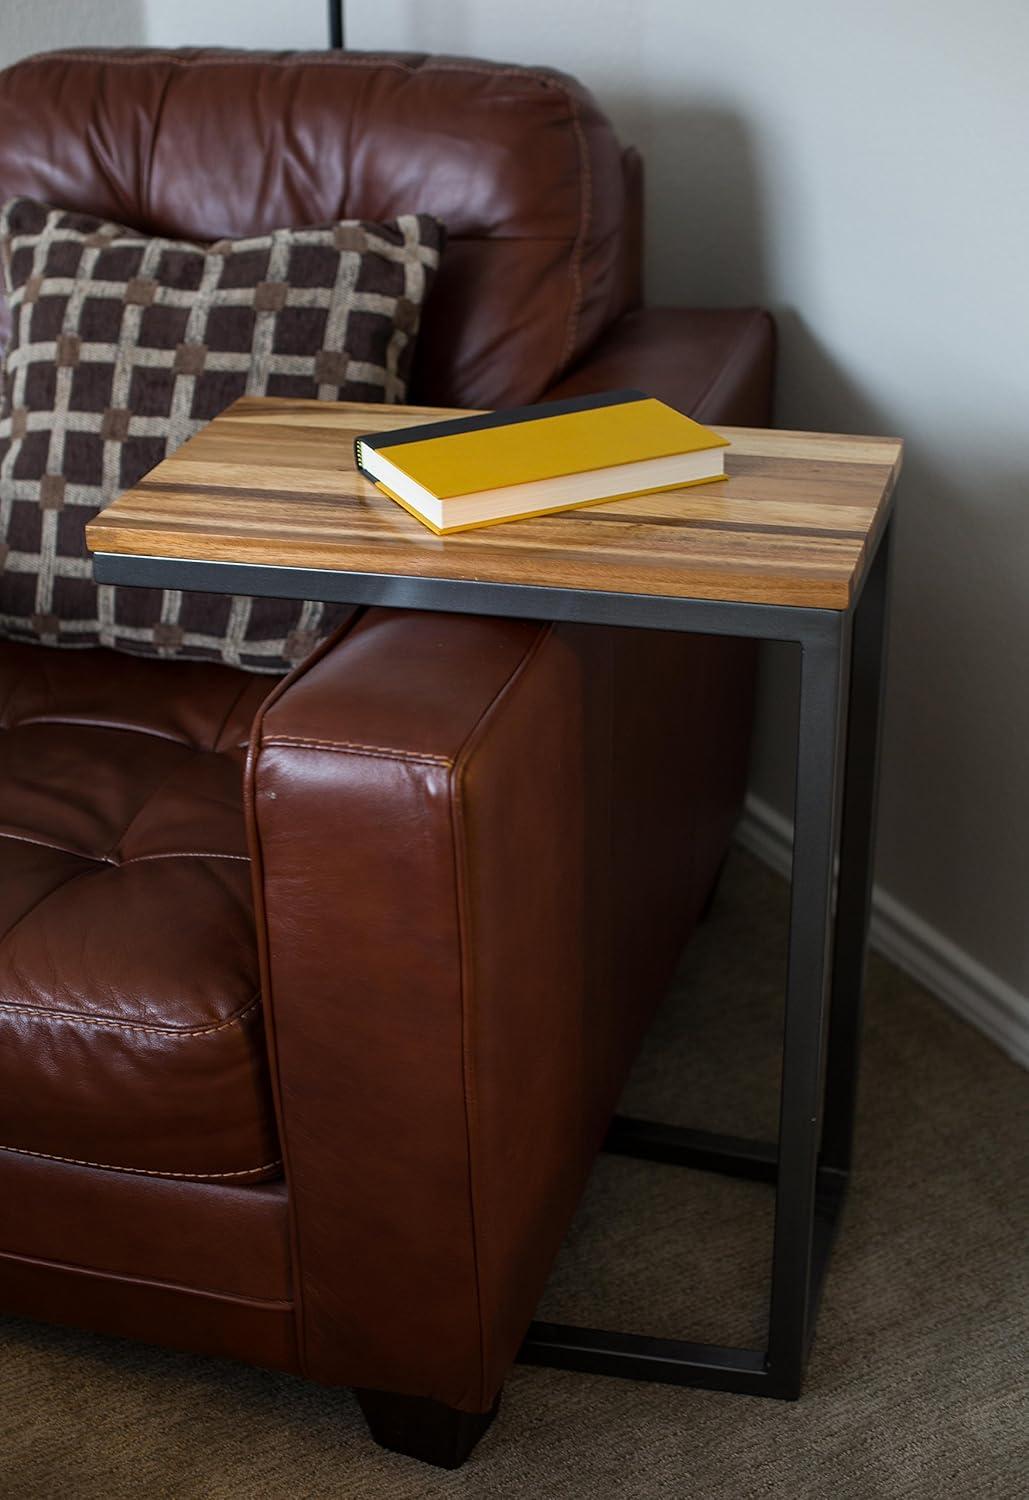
(131, 1032)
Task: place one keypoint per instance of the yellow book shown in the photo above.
(534, 460)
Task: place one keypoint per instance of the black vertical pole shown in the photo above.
(335, 23)
(822, 672)
(857, 860)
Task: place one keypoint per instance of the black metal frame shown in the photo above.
(336, 23)
(841, 674)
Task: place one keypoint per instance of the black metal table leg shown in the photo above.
(842, 656)
(857, 858)
(822, 708)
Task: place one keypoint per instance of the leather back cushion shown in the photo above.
(520, 165)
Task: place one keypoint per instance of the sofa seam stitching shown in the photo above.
(142, 859)
(152, 794)
(347, 747)
(457, 786)
(370, 62)
(103, 1166)
(106, 859)
(221, 1294)
(41, 1013)
(88, 723)
(147, 166)
(138, 55)
(585, 202)
(61, 885)
(237, 700)
(280, 691)
(38, 843)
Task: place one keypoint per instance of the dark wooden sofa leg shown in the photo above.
(423, 1429)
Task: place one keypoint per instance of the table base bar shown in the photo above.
(679, 1146)
(633, 1356)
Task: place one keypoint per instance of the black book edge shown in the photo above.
(488, 419)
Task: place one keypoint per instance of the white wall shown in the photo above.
(237, 23)
(861, 170)
(36, 25)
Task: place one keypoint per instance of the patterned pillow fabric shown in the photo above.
(123, 346)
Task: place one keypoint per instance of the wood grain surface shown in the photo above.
(273, 482)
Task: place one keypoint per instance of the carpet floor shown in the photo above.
(917, 1383)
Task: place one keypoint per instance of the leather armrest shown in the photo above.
(714, 363)
(418, 831)
(478, 845)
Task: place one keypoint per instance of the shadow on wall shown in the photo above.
(706, 232)
(713, 238)
(954, 795)
(708, 242)
(958, 589)
(814, 393)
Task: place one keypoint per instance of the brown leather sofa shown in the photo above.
(306, 1050)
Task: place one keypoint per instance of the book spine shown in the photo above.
(359, 466)
(454, 425)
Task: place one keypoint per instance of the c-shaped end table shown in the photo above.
(794, 546)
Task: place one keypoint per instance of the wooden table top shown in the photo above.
(273, 482)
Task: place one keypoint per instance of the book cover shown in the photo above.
(454, 474)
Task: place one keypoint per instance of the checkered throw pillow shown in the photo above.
(123, 346)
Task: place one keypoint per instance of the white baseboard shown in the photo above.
(980, 997)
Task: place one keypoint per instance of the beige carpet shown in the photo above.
(917, 1383)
